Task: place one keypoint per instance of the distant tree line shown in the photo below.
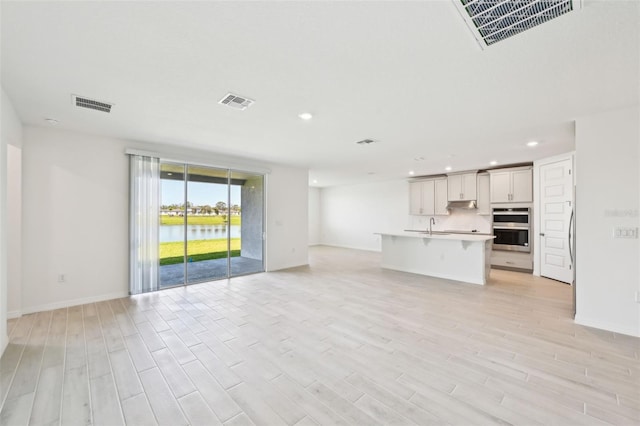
(219, 208)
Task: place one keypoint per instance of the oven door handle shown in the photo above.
(499, 213)
(515, 228)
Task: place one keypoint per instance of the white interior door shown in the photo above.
(556, 205)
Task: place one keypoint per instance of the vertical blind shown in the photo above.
(144, 206)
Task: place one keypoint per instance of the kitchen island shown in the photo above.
(459, 257)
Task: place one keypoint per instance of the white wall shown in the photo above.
(10, 140)
(287, 218)
(349, 215)
(75, 216)
(607, 196)
(314, 216)
(14, 233)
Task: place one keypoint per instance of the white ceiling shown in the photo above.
(409, 75)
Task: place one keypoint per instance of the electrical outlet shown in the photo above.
(622, 232)
(62, 278)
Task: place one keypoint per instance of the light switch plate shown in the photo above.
(622, 232)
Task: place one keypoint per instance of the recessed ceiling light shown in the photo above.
(305, 116)
(51, 121)
(493, 163)
(448, 168)
(169, 174)
(315, 181)
(419, 159)
(532, 143)
(411, 172)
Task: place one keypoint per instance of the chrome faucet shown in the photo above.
(432, 221)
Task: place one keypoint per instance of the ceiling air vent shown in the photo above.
(491, 21)
(365, 142)
(83, 102)
(236, 101)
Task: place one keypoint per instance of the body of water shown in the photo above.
(169, 233)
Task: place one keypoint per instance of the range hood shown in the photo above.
(467, 205)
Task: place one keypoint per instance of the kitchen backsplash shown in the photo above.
(459, 220)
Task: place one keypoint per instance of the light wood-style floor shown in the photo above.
(340, 342)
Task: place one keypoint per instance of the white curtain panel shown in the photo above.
(144, 227)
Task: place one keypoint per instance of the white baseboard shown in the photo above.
(283, 268)
(4, 341)
(603, 325)
(66, 304)
(351, 247)
(14, 314)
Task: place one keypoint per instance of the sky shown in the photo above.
(199, 193)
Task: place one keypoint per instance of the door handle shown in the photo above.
(570, 250)
(542, 234)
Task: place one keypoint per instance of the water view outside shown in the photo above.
(173, 233)
(209, 246)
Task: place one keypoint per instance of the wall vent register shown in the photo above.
(83, 102)
(236, 101)
(492, 21)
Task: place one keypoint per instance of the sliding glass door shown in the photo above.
(211, 224)
(208, 230)
(172, 230)
(246, 210)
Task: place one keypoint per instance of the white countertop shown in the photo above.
(456, 237)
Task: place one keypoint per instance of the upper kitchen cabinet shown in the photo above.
(484, 201)
(462, 186)
(421, 198)
(441, 199)
(512, 185)
(428, 197)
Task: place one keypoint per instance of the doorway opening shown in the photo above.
(211, 224)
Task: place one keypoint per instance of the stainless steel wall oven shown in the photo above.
(511, 227)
